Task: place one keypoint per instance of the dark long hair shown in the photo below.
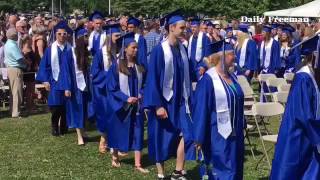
(123, 65)
(82, 53)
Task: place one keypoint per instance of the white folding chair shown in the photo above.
(284, 87)
(263, 79)
(288, 76)
(274, 82)
(281, 97)
(269, 109)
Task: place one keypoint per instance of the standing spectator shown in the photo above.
(152, 38)
(39, 42)
(38, 21)
(13, 58)
(12, 21)
(29, 71)
(21, 27)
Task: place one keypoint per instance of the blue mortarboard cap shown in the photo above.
(228, 29)
(218, 46)
(132, 20)
(81, 31)
(112, 28)
(171, 18)
(125, 39)
(288, 29)
(309, 45)
(195, 22)
(244, 28)
(209, 23)
(274, 26)
(267, 28)
(95, 15)
(62, 25)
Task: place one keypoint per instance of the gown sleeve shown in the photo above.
(302, 105)
(276, 55)
(202, 109)
(252, 56)
(44, 72)
(97, 70)
(153, 89)
(117, 99)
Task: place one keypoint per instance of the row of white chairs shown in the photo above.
(260, 111)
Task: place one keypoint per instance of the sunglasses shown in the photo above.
(62, 34)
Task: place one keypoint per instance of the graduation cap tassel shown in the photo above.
(163, 30)
(110, 39)
(223, 56)
(122, 50)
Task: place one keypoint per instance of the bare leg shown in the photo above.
(115, 159)
(180, 156)
(160, 168)
(137, 162)
(102, 145)
(80, 138)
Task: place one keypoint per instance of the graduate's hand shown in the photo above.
(247, 72)
(132, 100)
(162, 113)
(46, 86)
(202, 70)
(67, 93)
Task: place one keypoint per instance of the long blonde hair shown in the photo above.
(241, 38)
(108, 46)
(214, 59)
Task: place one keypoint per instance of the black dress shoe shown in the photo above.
(63, 131)
(55, 132)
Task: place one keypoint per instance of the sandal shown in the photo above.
(141, 169)
(115, 163)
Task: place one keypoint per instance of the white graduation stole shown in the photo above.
(167, 90)
(136, 37)
(105, 56)
(124, 83)
(243, 53)
(55, 66)
(81, 83)
(222, 108)
(102, 39)
(268, 49)
(199, 47)
(317, 61)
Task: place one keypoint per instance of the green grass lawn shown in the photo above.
(28, 151)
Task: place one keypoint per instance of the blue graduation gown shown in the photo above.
(56, 94)
(225, 155)
(294, 58)
(274, 66)
(194, 63)
(296, 155)
(142, 52)
(251, 58)
(95, 44)
(163, 135)
(275, 62)
(76, 105)
(126, 128)
(99, 103)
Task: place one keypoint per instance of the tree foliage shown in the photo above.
(229, 8)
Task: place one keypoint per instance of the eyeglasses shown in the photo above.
(62, 34)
